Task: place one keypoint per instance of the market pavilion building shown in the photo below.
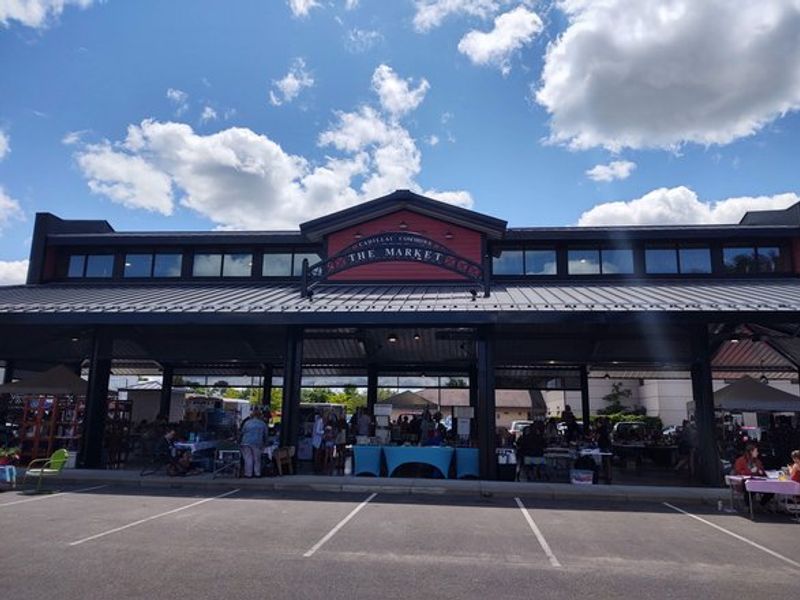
(404, 286)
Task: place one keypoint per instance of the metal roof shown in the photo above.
(761, 296)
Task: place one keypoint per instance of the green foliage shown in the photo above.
(631, 417)
(615, 400)
(456, 382)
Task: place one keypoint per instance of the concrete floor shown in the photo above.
(180, 543)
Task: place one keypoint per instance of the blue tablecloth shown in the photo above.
(467, 462)
(435, 456)
(367, 459)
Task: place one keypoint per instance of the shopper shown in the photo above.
(254, 438)
(316, 442)
(750, 465)
(794, 468)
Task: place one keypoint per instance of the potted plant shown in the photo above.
(8, 456)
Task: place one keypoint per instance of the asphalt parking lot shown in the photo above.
(121, 543)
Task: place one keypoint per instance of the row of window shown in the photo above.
(205, 264)
(659, 260)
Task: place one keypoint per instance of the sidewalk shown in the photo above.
(548, 491)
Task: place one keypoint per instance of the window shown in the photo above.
(694, 260)
(617, 262)
(77, 263)
(313, 259)
(277, 265)
(138, 265)
(237, 265)
(753, 259)
(661, 260)
(510, 262)
(540, 262)
(583, 262)
(167, 265)
(207, 265)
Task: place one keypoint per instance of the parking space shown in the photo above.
(138, 543)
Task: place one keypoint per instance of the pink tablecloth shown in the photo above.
(773, 486)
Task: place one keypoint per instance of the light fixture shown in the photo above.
(417, 337)
(391, 338)
(448, 235)
(74, 339)
(403, 225)
(358, 235)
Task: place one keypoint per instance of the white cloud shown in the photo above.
(396, 95)
(433, 140)
(73, 137)
(127, 179)
(240, 179)
(360, 40)
(13, 272)
(208, 114)
(617, 169)
(180, 99)
(5, 144)
(431, 13)
(36, 13)
(680, 205)
(627, 73)
(290, 86)
(301, 8)
(351, 4)
(512, 31)
(9, 209)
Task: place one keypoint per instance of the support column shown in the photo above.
(372, 389)
(166, 392)
(266, 387)
(484, 354)
(292, 379)
(585, 409)
(8, 372)
(707, 457)
(473, 402)
(96, 411)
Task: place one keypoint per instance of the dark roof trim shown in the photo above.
(676, 233)
(399, 200)
(787, 216)
(267, 238)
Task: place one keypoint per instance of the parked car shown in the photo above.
(517, 428)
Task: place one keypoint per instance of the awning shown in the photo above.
(58, 380)
(749, 395)
(757, 296)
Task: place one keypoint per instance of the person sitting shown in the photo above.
(749, 465)
(183, 466)
(794, 468)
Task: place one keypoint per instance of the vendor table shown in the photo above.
(436, 456)
(196, 446)
(467, 463)
(770, 486)
(367, 459)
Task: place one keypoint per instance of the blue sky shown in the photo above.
(199, 114)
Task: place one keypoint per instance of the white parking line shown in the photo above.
(735, 535)
(46, 496)
(338, 526)
(542, 542)
(158, 516)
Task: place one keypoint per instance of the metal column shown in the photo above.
(585, 409)
(96, 411)
(8, 372)
(703, 392)
(484, 355)
(266, 387)
(372, 389)
(166, 392)
(292, 381)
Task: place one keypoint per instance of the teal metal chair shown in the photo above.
(45, 467)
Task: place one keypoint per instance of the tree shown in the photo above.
(615, 398)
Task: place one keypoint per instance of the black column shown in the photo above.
(703, 394)
(585, 409)
(266, 387)
(166, 392)
(292, 378)
(8, 372)
(372, 389)
(94, 416)
(473, 402)
(484, 357)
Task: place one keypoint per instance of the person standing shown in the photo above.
(254, 438)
